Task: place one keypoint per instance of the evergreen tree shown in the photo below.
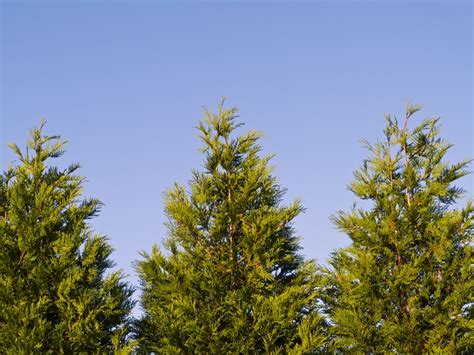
(230, 279)
(405, 282)
(54, 294)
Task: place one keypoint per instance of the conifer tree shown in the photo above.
(405, 282)
(54, 294)
(230, 279)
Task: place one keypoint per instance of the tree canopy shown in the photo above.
(405, 282)
(54, 294)
(229, 278)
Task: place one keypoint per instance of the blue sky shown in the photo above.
(125, 84)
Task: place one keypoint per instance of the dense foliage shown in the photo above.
(228, 277)
(231, 279)
(405, 282)
(54, 295)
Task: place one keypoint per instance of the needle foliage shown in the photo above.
(54, 294)
(405, 282)
(228, 278)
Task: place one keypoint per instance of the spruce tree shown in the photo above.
(229, 278)
(405, 282)
(54, 294)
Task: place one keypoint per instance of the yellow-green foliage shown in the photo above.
(230, 279)
(54, 296)
(405, 283)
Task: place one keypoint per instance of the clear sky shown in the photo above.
(125, 85)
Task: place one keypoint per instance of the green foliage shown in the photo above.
(405, 282)
(54, 294)
(230, 279)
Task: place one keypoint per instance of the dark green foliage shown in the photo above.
(405, 282)
(54, 294)
(231, 279)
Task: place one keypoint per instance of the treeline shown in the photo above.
(229, 277)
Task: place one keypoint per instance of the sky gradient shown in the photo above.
(126, 85)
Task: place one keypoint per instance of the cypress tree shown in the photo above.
(405, 282)
(229, 278)
(54, 294)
